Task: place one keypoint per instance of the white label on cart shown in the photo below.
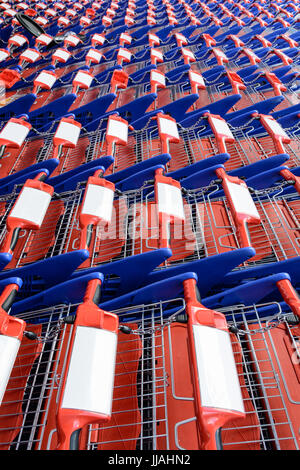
(41, 20)
(222, 127)
(126, 37)
(107, 19)
(24, 6)
(30, 54)
(41, 5)
(86, 20)
(180, 37)
(156, 53)
(62, 54)
(14, 133)
(109, 11)
(20, 40)
(170, 200)
(71, 12)
(93, 54)
(3, 55)
(125, 54)
(46, 78)
(10, 12)
(44, 38)
(117, 129)
(220, 53)
(242, 200)
(98, 38)
(50, 12)
(4, 5)
(196, 78)
(129, 19)
(72, 39)
(217, 374)
(68, 131)
(31, 205)
(158, 77)
(188, 53)
(276, 128)
(98, 202)
(83, 78)
(64, 21)
(129, 11)
(154, 38)
(9, 348)
(90, 379)
(169, 127)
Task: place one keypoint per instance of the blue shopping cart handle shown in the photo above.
(249, 293)
(68, 292)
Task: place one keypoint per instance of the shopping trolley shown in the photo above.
(152, 406)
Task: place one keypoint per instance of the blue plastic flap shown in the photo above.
(61, 182)
(257, 168)
(93, 110)
(7, 183)
(201, 178)
(199, 166)
(178, 108)
(69, 292)
(290, 266)
(166, 289)
(220, 107)
(11, 280)
(248, 294)
(42, 118)
(19, 106)
(137, 180)
(139, 266)
(136, 108)
(262, 107)
(122, 175)
(42, 274)
(210, 270)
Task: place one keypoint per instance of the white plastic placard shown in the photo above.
(169, 127)
(117, 129)
(107, 19)
(50, 12)
(125, 54)
(158, 77)
(15, 133)
(83, 78)
(90, 379)
(3, 55)
(242, 200)
(10, 12)
(222, 127)
(93, 54)
(98, 202)
(188, 53)
(20, 40)
(125, 37)
(276, 127)
(31, 205)
(41, 20)
(98, 38)
(220, 53)
(217, 374)
(30, 54)
(196, 78)
(156, 53)
(62, 54)
(68, 131)
(170, 200)
(72, 39)
(44, 38)
(9, 348)
(154, 38)
(46, 78)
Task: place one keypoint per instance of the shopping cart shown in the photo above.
(153, 407)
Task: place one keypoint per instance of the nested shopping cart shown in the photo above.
(168, 348)
(246, 137)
